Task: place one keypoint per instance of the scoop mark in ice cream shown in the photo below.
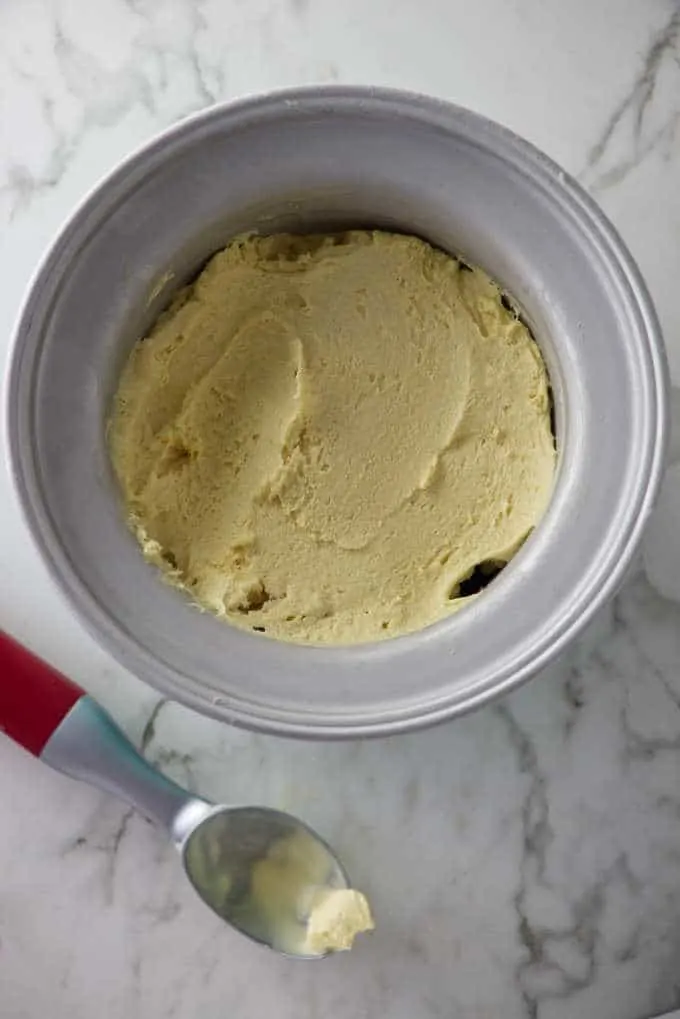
(334, 439)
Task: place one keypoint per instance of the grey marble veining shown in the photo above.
(524, 862)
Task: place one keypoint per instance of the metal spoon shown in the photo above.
(257, 868)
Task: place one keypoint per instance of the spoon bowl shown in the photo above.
(259, 870)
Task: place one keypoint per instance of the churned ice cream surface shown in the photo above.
(324, 437)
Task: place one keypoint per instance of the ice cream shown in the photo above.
(334, 439)
(290, 896)
(336, 917)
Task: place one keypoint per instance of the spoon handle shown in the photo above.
(59, 723)
(34, 697)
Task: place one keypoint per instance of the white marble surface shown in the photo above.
(523, 862)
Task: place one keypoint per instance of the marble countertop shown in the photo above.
(524, 862)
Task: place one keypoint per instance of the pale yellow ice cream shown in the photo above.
(336, 917)
(325, 436)
(290, 899)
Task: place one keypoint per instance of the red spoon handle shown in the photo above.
(34, 697)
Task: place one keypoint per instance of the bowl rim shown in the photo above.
(281, 721)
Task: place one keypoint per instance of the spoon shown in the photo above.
(259, 869)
